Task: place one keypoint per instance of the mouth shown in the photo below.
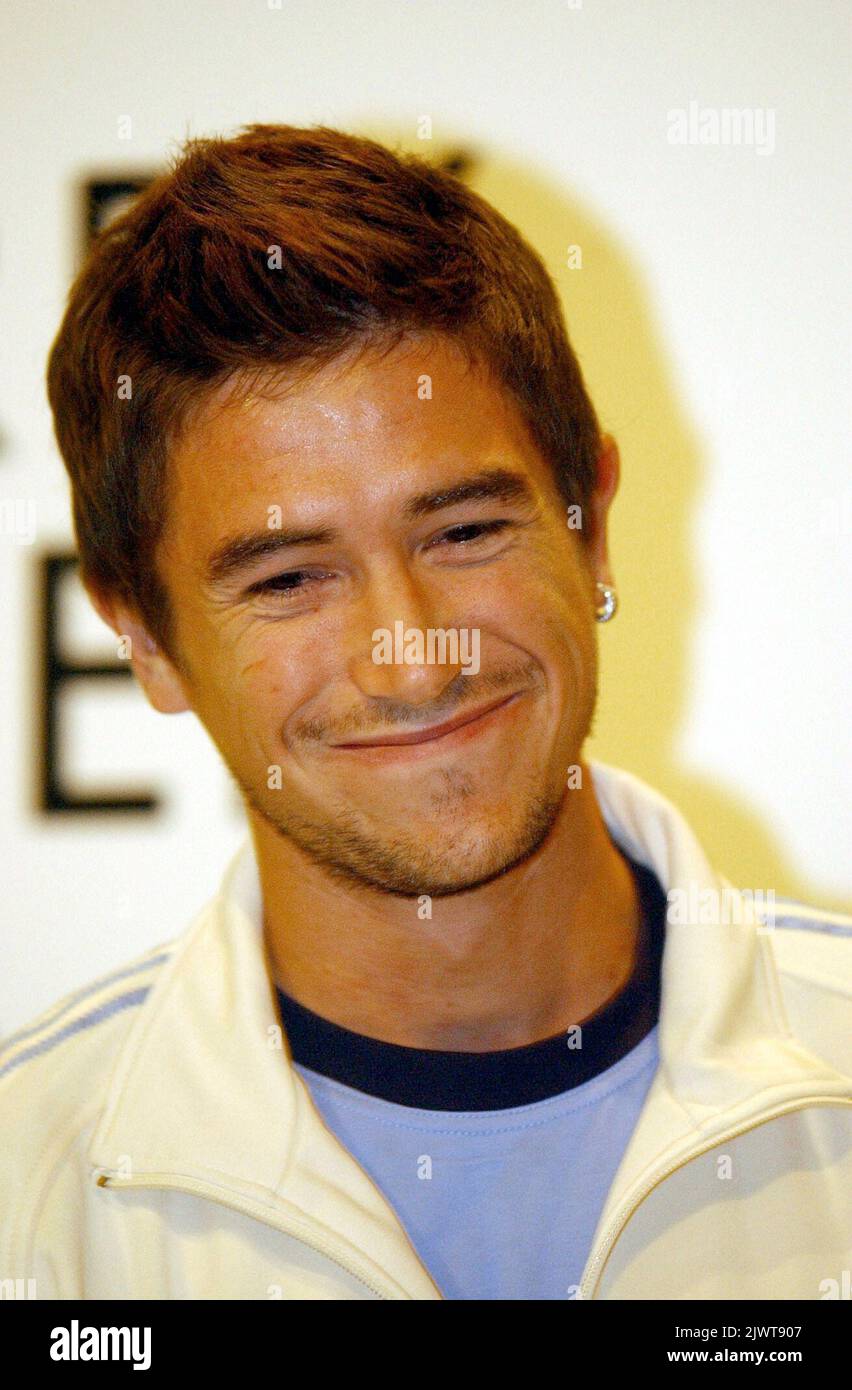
(463, 725)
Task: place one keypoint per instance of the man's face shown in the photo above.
(354, 495)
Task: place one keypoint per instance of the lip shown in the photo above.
(436, 733)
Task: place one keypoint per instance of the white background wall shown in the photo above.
(711, 319)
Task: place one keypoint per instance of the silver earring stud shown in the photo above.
(607, 602)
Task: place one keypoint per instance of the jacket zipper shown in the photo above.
(167, 1182)
(592, 1275)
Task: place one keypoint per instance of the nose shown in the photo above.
(388, 641)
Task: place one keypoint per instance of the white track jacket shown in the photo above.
(158, 1144)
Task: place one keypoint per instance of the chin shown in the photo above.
(467, 858)
(464, 877)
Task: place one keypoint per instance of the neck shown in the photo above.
(519, 959)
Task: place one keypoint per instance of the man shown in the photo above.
(435, 1037)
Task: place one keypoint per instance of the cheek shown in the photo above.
(272, 678)
(552, 612)
(542, 596)
(279, 675)
(240, 678)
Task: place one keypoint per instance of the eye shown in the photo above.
(470, 532)
(290, 584)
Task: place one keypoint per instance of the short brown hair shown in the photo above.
(177, 295)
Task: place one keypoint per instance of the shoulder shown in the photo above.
(812, 943)
(812, 951)
(66, 1031)
(54, 1075)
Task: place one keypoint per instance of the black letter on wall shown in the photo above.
(55, 672)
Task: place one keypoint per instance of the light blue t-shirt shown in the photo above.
(498, 1204)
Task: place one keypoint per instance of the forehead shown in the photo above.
(371, 427)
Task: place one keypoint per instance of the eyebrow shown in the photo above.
(241, 551)
(492, 484)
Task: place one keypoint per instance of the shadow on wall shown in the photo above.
(645, 671)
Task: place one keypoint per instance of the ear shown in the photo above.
(154, 670)
(595, 526)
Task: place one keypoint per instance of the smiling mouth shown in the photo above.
(434, 732)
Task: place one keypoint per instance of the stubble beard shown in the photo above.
(398, 864)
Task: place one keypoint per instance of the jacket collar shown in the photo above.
(203, 1087)
(728, 1058)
